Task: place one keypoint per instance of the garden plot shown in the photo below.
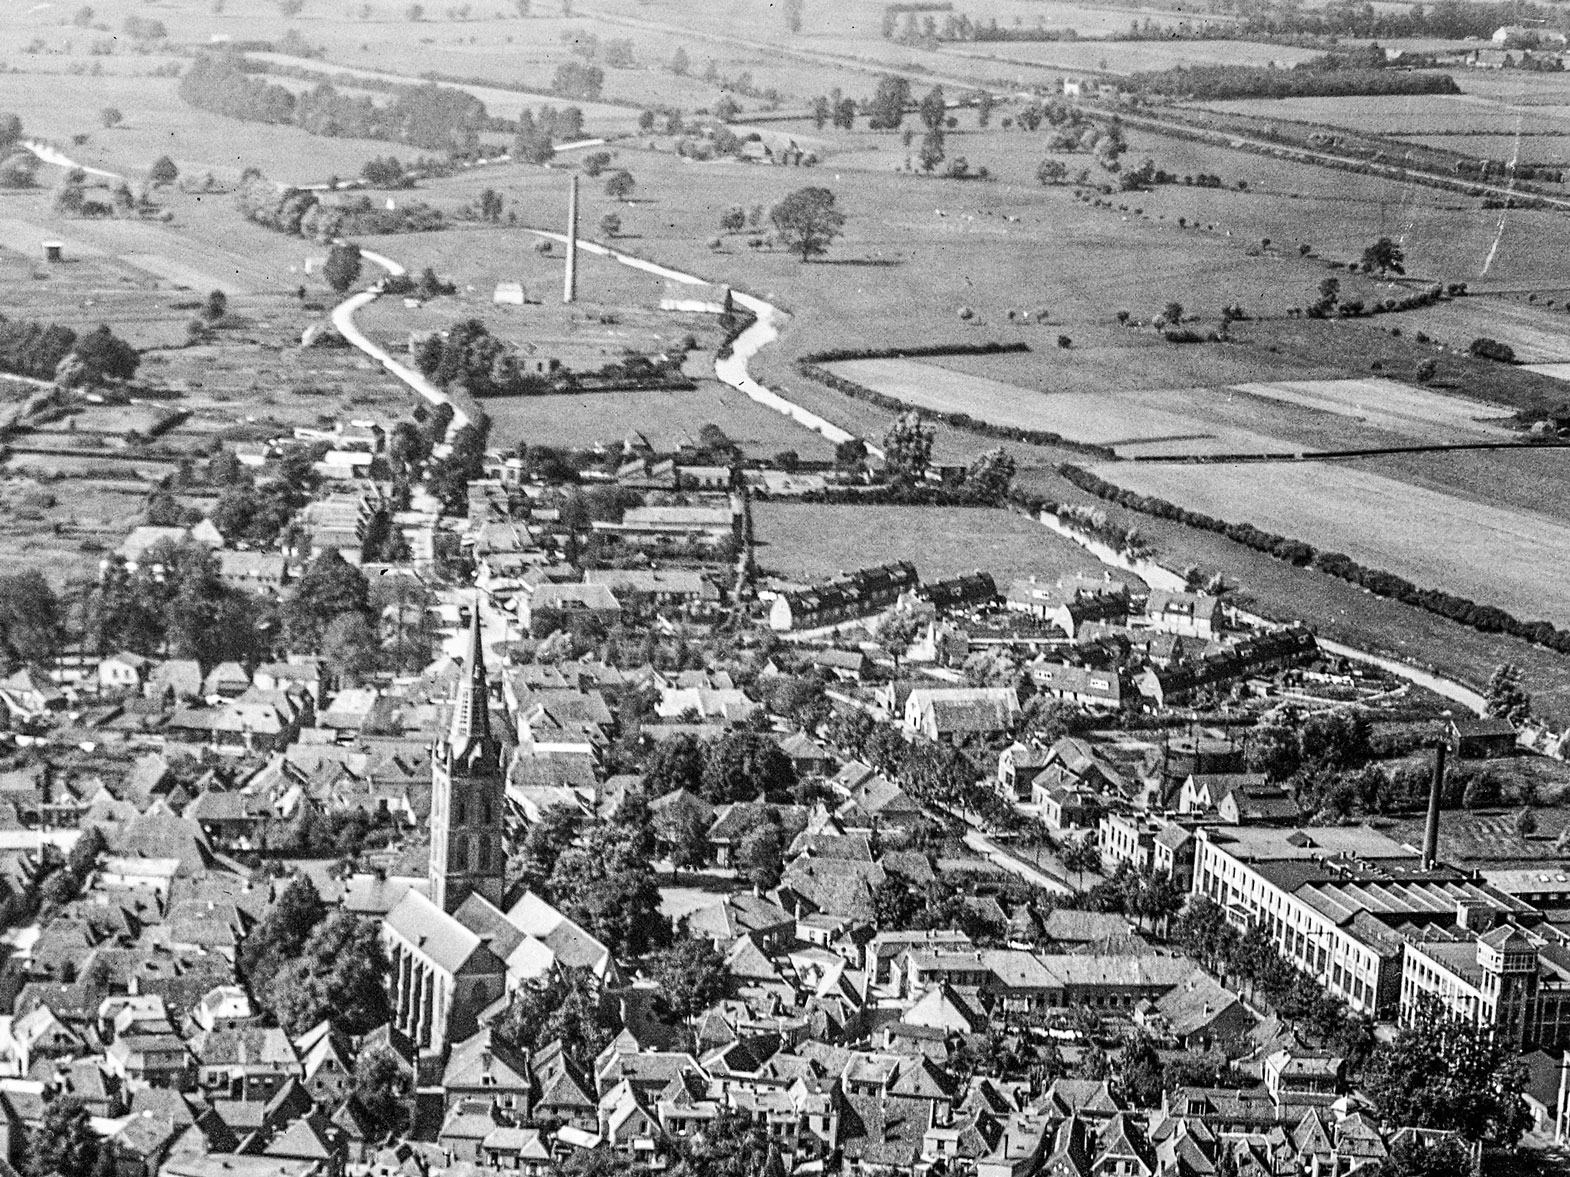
(1510, 558)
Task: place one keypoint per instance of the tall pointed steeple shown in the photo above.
(468, 793)
(470, 732)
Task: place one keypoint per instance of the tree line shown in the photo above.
(38, 350)
(430, 117)
(1212, 83)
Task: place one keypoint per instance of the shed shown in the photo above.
(1481, 738)
(508, 294)
(54, 251)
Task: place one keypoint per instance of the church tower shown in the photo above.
(468, 794)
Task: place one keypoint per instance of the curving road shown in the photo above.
(343, 320)
(732, 369)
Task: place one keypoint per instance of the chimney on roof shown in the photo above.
(1431, 827)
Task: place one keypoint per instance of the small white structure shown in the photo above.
(508, 294)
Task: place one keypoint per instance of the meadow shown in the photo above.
(810, 541)
(1256, 418)
(1510, 558)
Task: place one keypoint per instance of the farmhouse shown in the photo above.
(846, 598)
(548, 607)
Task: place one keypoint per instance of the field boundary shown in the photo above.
(1462, 610)
(1341, 455)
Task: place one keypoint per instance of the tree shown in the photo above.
(742, 764)
(384, 1089)
(111, 116)
(677, 763)
(1384, 257)
(1140, 1073)
(907, 447)
(567, 1007)
(610, 225)
(931, 153)
(163, 172)
(619, 184)
(1443, 1072)
(330, 586)
(689, 976)
(932, 109)
(808, 221)
(761, 854)
(733, 219)
(989, 476)
(349, 647)
(607, 883)
(102, 355)
(896, 630)
(342, 268)
(1080, 857)
(65, 1144)
(1172, 313)
(680, 63)
(887, 109)
(1051, 171)
(282, 933)
(341, 975)
(30, 618)
(1507, 698)
(792, 11)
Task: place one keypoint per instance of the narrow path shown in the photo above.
(343, 320)
(52, 155)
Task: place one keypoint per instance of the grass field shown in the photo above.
(1129, 57)
(1510, 558)
(1257, 418)
(811, 542)
(667, 419)
(1527, 479)
(1404, 114)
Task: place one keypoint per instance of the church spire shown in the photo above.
(471, 713)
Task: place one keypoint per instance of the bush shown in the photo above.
(1485, 348)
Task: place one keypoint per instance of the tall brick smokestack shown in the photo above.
(570, 283)
(1431, 829)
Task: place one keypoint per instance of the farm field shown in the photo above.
(1404, 114)
(1527, 479)
(1130, 57)
(667, 419)
(1256, 418)
(1509, 558)
(158, 123)
(1538, 148)
(1537, 334)
(806, 542)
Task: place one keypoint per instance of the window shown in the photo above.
(485, 811)
(485, 853)
(460, 854)
(461, 812)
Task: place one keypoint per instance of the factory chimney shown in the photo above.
(569, 292)
(1431, 829)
